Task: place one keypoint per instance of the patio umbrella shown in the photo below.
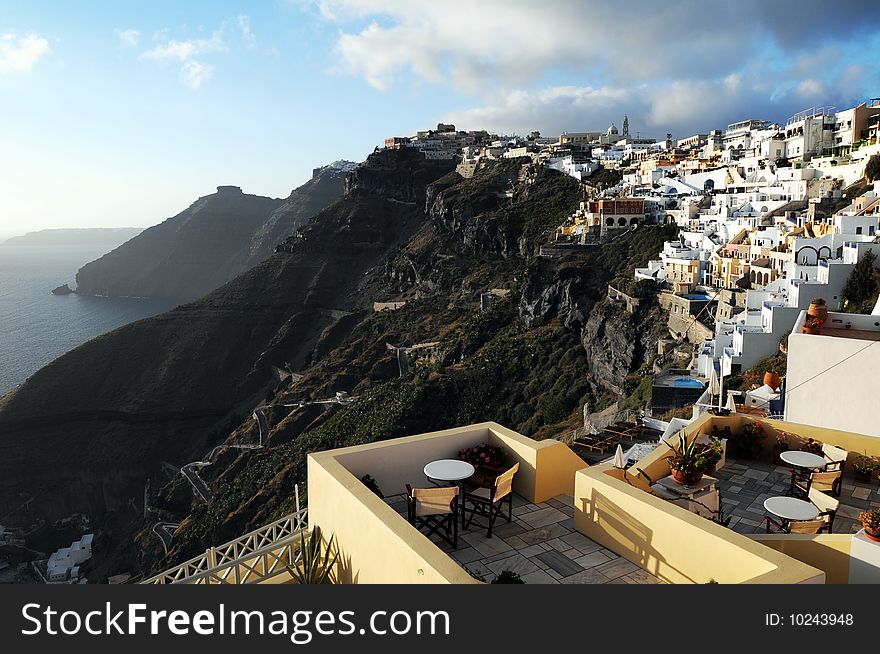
(618, 458)
(731, 403)
(714, 383)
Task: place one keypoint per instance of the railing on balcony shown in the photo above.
(261, 554)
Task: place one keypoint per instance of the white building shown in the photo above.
(831, 380)
(63, 565)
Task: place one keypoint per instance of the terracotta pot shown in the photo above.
(872, 535)
(819, 313)
(772, 379)
(686, 479)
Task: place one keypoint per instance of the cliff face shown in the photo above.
(218, 237)
(618, 343)
(84, 432)
(506, 208)
(323, 189)
(185, 256)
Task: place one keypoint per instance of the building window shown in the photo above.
(858, 230)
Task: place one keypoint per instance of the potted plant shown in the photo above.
(864, 467)
(780, 446)
(485, 457)
(818, 309)
(812, 325)
(870, 520)
(507, 577)
(317, 563)
(690, 459)
(747, 443)
(812, 446)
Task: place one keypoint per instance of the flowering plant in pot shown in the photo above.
(689, 460)
(818, 310)
(483, 455)
(780, 446)
(812, 446)
(870, 520)
(747, 443)
(864, 467)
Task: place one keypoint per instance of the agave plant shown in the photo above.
(317, 563)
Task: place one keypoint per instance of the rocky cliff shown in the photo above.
(217, 238)
(323, 189)
(85, 432)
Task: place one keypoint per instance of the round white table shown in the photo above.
(791, 508)
(800, 459)
(450, 470)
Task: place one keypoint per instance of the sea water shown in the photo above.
(36, 326)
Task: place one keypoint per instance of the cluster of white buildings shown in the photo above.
(64, 565)
(764, 230)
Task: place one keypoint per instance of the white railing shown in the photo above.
(257, 555)
(266, 563)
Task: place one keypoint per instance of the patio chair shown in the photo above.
(835, 456)
(488, 502)
(796, 526)
(434, 511)
(827, 506)
(826, 482)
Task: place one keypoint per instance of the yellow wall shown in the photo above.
(378, 545)
(546, 468)
(827, 552)
(671, 542)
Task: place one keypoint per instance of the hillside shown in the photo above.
(217, 238)
(171, 388)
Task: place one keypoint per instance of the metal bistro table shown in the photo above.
(450, 471)
(791, 508)
(806, 460)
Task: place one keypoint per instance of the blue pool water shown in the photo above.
(687, 382)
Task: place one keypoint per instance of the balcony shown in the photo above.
(378, 545)
(572, 523)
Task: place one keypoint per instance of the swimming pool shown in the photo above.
(687, 382)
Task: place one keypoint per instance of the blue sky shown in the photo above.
(123, 113)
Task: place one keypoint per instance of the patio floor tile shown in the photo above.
(559, 562)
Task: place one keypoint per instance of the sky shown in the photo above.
(123, 114)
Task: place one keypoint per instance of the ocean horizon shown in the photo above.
(37, 327)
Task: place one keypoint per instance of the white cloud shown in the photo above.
(128, 38)
(472, 44)
(20, 54)
(186, 50)
(669, 66)
(194, 73)
(193, 70)
(244, 25)
(811, 88)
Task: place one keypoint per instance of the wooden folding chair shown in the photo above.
(827, 506)
(796, 526)
(434, 511)
(826, 482)
(835, 456)
(488, 502)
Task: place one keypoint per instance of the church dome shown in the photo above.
(612, 129)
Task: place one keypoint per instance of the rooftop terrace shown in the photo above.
(744, 485)
(541, 545)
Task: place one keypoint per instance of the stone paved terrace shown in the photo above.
(744, 485)
(541, 545)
